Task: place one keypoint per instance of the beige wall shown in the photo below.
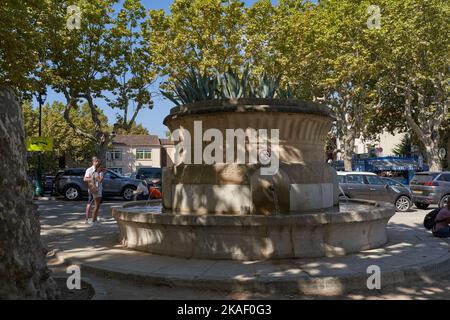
(386, 141)
(129, 164)
(170, 154)
(389, 142)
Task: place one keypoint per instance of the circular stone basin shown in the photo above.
(354, 226)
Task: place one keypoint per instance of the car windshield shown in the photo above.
(149, 173)
(120, 175)
(375, 180)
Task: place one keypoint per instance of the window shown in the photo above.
(142, 154)
(374, 180)
(356, 178)
(392, 182)
(116, 170)
(444, 177)
(420, 179)
(341, 179)
(74, 173)
(115, 155)
(149, 173)
(110, 175)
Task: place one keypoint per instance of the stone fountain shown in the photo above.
(235, 210)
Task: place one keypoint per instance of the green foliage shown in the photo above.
(135, 129)
(266, 86)
(129, 64)
(194, 87)
(404, 149)
(68, 145)
(22, 42)
(202, 34)
(287, 93)
(321, 50)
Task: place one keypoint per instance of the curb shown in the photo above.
(325, 286)
(44, 199)
(100, 292)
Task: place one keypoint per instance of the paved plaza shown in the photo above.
(414, 265)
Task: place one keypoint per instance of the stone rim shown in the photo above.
(249, 105)
(317, 218)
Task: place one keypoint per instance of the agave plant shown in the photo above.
(266, 86)
(195, 87)
(232, 86)
(287, 93)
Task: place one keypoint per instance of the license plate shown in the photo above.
(417, 192)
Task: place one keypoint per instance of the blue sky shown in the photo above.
(150, 119)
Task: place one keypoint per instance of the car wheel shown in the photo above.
(403, 204)
(422, 206)
(127, 193)
(444, 201)
(72, 193)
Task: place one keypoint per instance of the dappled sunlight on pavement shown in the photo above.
(97, 248)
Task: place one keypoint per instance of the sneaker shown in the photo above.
(88, 221)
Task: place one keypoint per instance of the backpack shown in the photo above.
(430, 219)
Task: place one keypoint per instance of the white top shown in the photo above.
(142, 189)
(95, 177)
(89, 172)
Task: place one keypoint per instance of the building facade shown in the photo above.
(383, 146)
(131, 152)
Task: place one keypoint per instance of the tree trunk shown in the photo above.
(448, 154)
(349, 147)
(432, 156)
(23, 269)
(102, 147)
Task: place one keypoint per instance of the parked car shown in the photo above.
(70, 184)
(153, 176)
(48, 182)
(430, 188)
(369, 186)
(403, 200)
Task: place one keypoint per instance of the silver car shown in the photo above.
(369, 186)
(430, 188)
(70, 184)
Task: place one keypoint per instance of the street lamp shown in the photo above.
(41, 97)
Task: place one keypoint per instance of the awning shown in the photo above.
(394, 165)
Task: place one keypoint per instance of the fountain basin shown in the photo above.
(354, 226)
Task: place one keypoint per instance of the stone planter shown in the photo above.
(303, 182)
